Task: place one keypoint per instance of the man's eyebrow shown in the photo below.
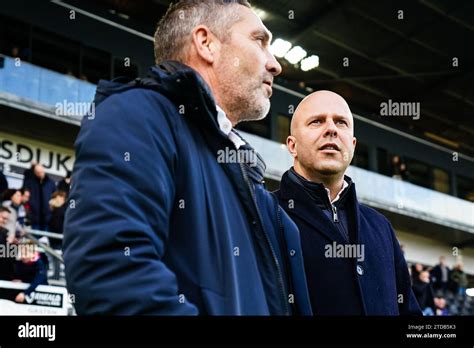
(262, 32)
(341, 116)
(313, 116)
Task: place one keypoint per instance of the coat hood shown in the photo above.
(178, 82)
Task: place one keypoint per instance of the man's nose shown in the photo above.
(331, 129)
(272, 65)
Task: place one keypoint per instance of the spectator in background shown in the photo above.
(26, 204)
(70, 73)
(20, 52)
(459, 279)
(29, 174)
(399, 169)
(30, 269)
(424, 293)
(416, 269)
(3, 182)
(6, 263)
(12, 199)
(440, 275)
(440, 304)
(404, 172)
(41, 188)
(15, 52)
(4, 217)
(65, 184)
(56, 223)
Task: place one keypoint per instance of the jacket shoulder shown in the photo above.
(141, 112)
(135, 105)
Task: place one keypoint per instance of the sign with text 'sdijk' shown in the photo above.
(19, 151)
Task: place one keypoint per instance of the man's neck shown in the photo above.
(333, 183)
(210, 79)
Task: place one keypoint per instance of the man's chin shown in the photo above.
(330, 169)
(258, 113)
(264, 108)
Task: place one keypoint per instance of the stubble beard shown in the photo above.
(242, 99)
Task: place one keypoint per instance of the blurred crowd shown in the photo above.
(440, 290)
(39, 204)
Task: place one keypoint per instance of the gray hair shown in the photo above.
(173, 33)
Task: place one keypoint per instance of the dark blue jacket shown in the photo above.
(34, 273)
(39, 199)
(376, 283)
(3, 182)
(437, 277)
(155, 225)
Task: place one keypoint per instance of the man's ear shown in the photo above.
(205, 43)
(291, 145)
(354, 142)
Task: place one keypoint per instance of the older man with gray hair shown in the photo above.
(157, 223)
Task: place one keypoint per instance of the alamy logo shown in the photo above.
(16, 250)
(393, 108)
(237, 156)
(37, 331)
(350, 251)
(75, 109)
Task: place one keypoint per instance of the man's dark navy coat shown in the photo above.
(39, 202)
(156, 225)
(377, 285)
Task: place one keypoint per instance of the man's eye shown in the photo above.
(315, 122)
(343, 122)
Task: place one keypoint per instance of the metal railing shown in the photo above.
(31, 234)
(55, 270)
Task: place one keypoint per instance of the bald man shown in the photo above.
(41, 187)
(353, 262)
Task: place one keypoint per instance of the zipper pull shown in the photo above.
(334, 213)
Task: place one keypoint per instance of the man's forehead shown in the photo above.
(325, 102)
(325, 110)
(320, 104)
(251, 21)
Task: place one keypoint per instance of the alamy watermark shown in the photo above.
(76, 109)
(407, 109)
(28, 330)
(17, 250)
(237, 156)
(349, 251)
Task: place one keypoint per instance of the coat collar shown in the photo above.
(318, 192)
(179, 83)
(309, 209)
